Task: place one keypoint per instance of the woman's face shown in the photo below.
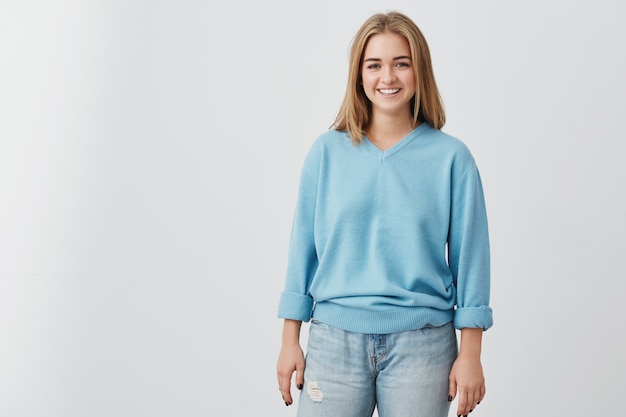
(387, 74)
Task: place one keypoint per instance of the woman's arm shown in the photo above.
(290, 359)
(466, 376)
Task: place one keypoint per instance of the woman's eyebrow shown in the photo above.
(394, 59)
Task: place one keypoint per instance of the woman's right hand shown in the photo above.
(290, 360)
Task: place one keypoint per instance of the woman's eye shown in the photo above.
(373, 66)
(402, 64)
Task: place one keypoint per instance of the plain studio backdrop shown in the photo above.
(149, 159)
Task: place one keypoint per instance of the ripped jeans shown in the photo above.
(401, 374)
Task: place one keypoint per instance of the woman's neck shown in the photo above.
(384, 132)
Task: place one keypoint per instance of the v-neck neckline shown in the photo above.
(396, 147)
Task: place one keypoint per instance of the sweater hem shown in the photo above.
(380, 321)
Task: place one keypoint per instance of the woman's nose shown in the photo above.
(388, 76)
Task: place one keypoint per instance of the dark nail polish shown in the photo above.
(300, 386)
(286, 403)
(478, 403)
(449, 397)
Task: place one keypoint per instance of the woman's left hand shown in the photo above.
(466, 378)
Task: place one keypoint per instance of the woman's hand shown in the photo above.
(290, 360)
(466, 376)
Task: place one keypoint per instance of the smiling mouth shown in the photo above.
(388, 91)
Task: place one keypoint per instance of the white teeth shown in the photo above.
(389, 90)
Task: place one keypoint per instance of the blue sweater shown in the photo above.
(388, 241)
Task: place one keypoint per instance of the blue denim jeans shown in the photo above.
(401, 374)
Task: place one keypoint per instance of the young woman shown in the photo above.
(389, 250)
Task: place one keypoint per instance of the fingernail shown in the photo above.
(478, 403)
(287, 404)
(449, 397)
(300, 386)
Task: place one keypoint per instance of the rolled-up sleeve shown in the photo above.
(469, 253)
(296, 302)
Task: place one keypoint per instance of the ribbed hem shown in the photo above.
(395, 320)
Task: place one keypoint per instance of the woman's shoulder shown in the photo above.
(325, 144)
(328, 140)
(449, 144)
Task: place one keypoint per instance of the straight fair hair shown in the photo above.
(354, 114)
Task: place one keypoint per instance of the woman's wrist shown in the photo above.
(471, 342)
(291, 332)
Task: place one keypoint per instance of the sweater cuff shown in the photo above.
(473, 317)
(295, 306)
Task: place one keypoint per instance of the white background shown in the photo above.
(149, 157)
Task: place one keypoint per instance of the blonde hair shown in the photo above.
(354, 114)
